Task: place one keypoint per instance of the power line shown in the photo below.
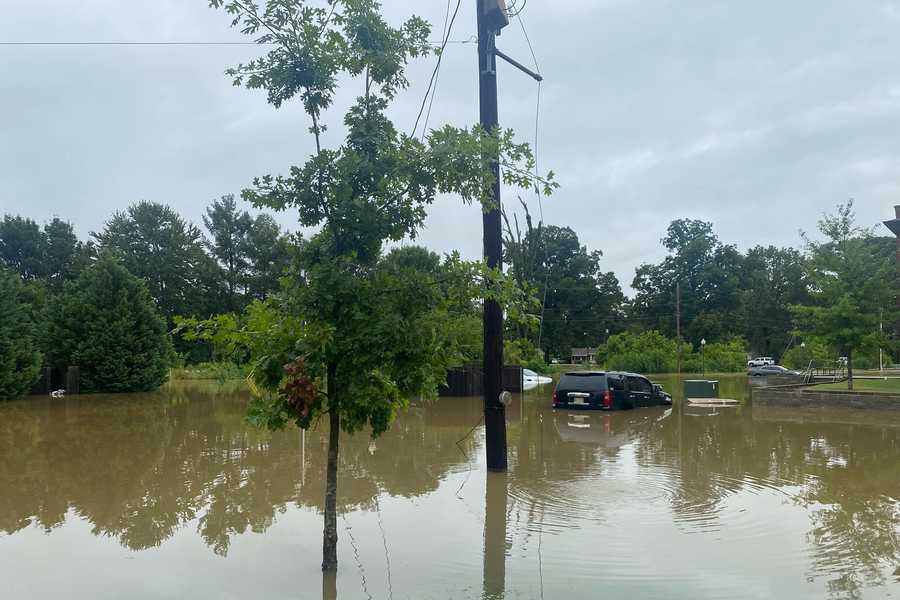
(441, 43)
(444, 35)
(528, 40)
(124, 43)
(437, 66)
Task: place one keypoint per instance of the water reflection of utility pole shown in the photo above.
(329, 585)
(495, 536)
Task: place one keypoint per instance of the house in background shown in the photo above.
(582, 355)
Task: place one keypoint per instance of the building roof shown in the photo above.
(583, 351)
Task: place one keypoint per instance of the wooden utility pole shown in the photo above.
(492, 17)
(494, 411)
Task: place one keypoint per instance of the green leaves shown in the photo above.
(852, 285)
(20, 359)
(387, 332)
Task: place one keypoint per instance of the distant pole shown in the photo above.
(494, 411)
(703, 356)
(881, 331)
(678, 321)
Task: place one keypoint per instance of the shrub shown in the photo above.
(721, 357)
(20, 359)
(522, 352)
(647, 352)
(652, 352)
(815, 351)
(107, 324)
(218, 371)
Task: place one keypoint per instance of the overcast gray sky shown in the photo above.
(757, 116)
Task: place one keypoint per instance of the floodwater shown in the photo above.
(171, 495)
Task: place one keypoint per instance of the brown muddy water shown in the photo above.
(171, 495)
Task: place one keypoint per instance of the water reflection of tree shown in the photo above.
(846, 475)
(142, 467)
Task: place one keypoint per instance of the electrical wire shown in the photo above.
(437, 67)
(387, 555)
(463, 452)
(441, 43)
(356, 557)
(438, 74)
(537, 189)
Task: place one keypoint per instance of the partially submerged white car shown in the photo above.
(531, 377)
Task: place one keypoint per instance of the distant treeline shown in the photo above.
(67, 300)
(109, 302)
(725, 294)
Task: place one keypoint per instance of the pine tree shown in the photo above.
(107, 324)
(20, 359)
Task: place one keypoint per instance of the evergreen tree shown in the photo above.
(268, 256)
(22, 247)
(229, 228)
(155, 244)
(20, 359)
(64, 255)
(52, 254)
(107, 324)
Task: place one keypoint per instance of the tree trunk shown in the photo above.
(329, 536)
(849, 368)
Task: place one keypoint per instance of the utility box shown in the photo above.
(701, 388)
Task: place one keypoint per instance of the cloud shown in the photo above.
(756, 116)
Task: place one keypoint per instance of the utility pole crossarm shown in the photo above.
(518, 65)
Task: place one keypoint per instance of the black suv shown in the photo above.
(607, 390)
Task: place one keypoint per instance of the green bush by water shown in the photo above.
(652, 352)
(207, 371)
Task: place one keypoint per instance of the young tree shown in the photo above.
(20, 359)
(368, 336)
(852, 287)
(157, 245)
(107, 324)
(229, 228)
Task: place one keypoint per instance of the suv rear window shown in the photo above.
(583, 382)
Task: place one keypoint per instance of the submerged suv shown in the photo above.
(607, 390)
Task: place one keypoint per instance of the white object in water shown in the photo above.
(57, 393)
(712, 402)
(530, 376)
